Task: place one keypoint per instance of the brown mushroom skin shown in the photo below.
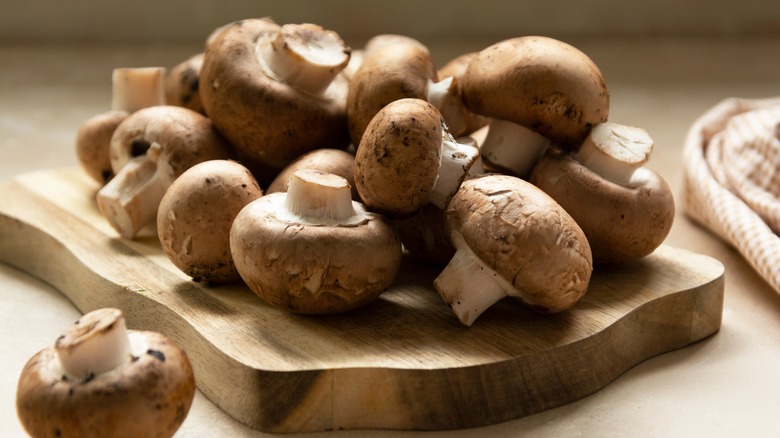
(153, 391)
(336, 161)
(353, 265)
(244, 102)
(387, 73)
(494, 212)
(426, 235)
(397, 163)
(181, 84)
(622, 223)
(195, 216)
(541, 83)
(93, 143)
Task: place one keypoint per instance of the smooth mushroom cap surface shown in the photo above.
(526, 237)
(387, 74)
(93, 143)
(541, 83)
(397, 163)
(195, 216)
(336, 161)
(149, 395)
(622, 223)
(182, 82)
(237, 93)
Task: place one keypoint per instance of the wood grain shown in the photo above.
(403, 362)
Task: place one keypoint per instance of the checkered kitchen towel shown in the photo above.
(731, 181)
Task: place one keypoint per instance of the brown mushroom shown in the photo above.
(512, 240)
(275, 92)
(93, 141)
(335, 161)
(407, 159)
(181, 84)
(149, 150)
(625, 209)
(100, 379)
(312, 249)
(195, 216)
(426, 235)
(536, 90)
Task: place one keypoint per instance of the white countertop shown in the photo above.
(726, 385)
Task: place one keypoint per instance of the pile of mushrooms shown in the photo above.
(501, 167)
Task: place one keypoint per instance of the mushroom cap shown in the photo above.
(195, 216)
(267, 120)
(176, 136)
(181, 84)
(148, 396)
(93, 141)
(397, 163)
(541, 83)
(387, 73)
(313, 269)
(621, 223)
(426, 235)
(526, 237)
(336, 161)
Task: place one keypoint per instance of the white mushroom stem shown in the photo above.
(615, 151)
(304, 56)
(321, 198)
(95, 344)
(457, 162)
(130, 200)
(513, 147)
(468, 285)
(445, 96)
(136, 88)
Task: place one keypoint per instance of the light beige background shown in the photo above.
(665, 62)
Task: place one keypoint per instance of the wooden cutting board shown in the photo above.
(403, 362)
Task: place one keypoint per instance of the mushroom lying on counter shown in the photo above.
(195, 216)
(181, 84)
(335, 161)
(536, 90)
(512, 239)
(625, 209)
(101, 380)
(312, 249)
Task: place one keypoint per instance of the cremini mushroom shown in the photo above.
(512, 239)
(407, 159)
(625, 209)
(100, 379)
(149, 149)
(276, 92)
(93, 141)
(426, 236)
(312, 249)
(336, 161)
(181, 84)
(195, 216)
(536, 90)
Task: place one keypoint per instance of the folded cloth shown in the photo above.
(731, 179)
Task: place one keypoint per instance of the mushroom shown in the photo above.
(181, 84)
(625, 209)
(335, 161)
(536, 90)
(136, 88)
(276, 92)
(100, 379)
(426, 236)
(512, 239)
(93, 140)
(313, 250)
(195, 216)
(149, 150)
(407, 159)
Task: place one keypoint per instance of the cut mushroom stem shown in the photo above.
(468, 285)
(136, 88)
(305, 56)
(513, 147)
(458, 161)
(316, 197)
(97, 343)
(615, 151)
